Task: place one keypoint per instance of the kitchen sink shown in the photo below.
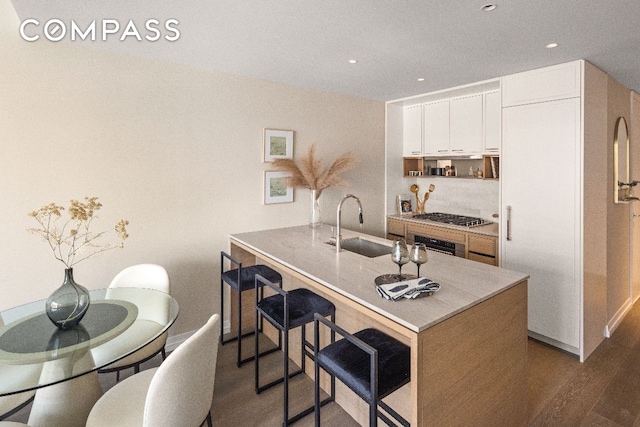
(364, 247)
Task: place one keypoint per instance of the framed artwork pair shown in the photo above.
(277, 144)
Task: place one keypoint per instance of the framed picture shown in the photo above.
(277, 144)
(276, 189)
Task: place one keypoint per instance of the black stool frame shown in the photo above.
(375, 400)
(304, 344)
(240, 361)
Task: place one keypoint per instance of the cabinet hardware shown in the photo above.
(509, 223)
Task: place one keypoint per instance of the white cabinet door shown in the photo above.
(544, 84)
(492, 122)
(465, 125)
(436, 128)
(541, 183)
(412, 131)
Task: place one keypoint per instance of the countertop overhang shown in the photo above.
(304, 250)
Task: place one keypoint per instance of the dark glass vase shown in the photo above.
(66, 306)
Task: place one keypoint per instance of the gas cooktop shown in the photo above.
(465, 221)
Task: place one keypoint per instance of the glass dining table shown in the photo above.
(61, 365)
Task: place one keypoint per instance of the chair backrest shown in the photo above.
(181, 391)
(150, 276)
(11, 402)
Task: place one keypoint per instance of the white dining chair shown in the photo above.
(150, 276)
(11, 404)
(177, 393)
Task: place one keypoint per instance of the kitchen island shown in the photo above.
(468, 341)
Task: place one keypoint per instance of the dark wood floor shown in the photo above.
(603, 391)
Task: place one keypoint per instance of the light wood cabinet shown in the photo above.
(482, 248)
(478, 247)
(466, 125)
(396, 229)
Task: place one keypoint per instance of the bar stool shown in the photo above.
(389, 363)
(287, 310)
(242, 279)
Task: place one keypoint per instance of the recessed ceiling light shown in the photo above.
(489, 7)
(420, 79)
(353, 61)
(552, 45)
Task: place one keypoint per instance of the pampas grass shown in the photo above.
(309, 172)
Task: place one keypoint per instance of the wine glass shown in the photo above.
(418, 255)
(400, 255)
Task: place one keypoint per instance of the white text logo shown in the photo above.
(55, 30)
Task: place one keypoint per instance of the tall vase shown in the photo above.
(68, 304)
(314, 219)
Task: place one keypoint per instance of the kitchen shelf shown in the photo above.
(491, 166)
(419, 167)
(413, 164)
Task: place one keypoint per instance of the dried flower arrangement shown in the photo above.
(75, 236)
(309, 171)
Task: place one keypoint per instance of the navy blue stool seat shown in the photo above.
(286, 310)
(241, 279)
(369, 362)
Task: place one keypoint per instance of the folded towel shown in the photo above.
(407, 289)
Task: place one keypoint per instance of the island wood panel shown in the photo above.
(474, 369)
(485, 346)
(352, 317)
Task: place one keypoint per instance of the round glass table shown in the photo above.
(62, 364)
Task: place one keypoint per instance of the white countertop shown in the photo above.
(463, 283)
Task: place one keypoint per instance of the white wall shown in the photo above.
(175, 150)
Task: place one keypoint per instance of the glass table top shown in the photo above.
(119, 321)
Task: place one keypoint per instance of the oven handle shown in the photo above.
(509, 223)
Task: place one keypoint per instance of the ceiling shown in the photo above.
(309, 43)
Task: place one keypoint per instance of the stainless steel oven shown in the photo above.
(438, 245)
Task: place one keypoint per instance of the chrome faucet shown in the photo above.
(338, 219)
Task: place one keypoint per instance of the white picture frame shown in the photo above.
(277, 144)
(276, 188)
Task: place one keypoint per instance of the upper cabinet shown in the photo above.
(546, 84)
(412, 131)
(436, 128)
(466, 125)
(453, 126)
(492, 122)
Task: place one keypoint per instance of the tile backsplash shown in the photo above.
(462, 196)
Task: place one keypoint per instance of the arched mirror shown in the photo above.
(622, 188)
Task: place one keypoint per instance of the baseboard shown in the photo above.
(617, 318)
(555, 343)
